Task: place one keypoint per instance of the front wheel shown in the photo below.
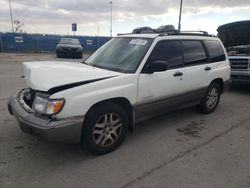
(105, 128)
(211, 99)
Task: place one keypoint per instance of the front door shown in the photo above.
(158, 88)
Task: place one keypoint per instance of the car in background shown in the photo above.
(69, 47)
(236, 38)
(239, 57)
(141, 30)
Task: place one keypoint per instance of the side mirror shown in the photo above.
(157, 66)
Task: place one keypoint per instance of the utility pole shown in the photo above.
(110, 18)
(179, 25)
(98, 34)
(11, 19)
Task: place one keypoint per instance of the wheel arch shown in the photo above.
(220, 82)
(124, 103)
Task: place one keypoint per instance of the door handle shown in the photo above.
(178, 74)
(207, 68)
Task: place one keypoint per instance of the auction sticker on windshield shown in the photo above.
(138, 42)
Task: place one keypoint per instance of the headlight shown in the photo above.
(40, 104)
(79, 49)
(47, 106)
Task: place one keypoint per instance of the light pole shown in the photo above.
(110, 18)
(11, 19)
(179, 25)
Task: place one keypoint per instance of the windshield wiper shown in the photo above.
(92, 65)
(83, 62)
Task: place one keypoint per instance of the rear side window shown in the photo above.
(169, 51)
(215, 50)
(193, 53)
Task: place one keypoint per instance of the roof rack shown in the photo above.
(168, 30)
(192, 33)
(198, 32)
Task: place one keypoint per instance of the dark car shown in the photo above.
(69, 47)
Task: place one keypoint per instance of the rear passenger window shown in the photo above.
(215, 50)
(169, 51)
(193, 53)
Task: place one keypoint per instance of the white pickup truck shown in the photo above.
(239, 58)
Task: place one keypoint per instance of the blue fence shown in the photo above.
(20, 42)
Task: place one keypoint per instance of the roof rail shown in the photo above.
(167, 30)
(196, 33)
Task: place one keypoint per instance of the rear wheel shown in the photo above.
(105, 128)
(211, 99)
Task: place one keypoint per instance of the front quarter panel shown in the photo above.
(80, 99)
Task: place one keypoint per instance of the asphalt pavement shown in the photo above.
(183, 149)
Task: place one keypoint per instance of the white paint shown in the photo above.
(136, 88)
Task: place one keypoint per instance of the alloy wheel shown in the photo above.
(107, 130)
(212, 98)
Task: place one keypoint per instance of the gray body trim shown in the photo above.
(161, 106)
(65, 130)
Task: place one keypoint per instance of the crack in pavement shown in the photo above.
(182, 154)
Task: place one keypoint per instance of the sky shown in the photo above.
(93, 16)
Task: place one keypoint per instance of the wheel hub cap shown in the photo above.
(107, 129)
(212, 98)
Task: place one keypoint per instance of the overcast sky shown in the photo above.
(56, 16)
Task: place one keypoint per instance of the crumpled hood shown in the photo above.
(44, 75)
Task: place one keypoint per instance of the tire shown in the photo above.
(99, 137)
(211, 99)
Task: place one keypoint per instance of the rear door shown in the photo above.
(195, 63)
(218, 65)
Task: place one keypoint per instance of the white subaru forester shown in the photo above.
(129, 79)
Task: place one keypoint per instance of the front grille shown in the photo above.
(68, 49)
(29, 96)
(239, 64)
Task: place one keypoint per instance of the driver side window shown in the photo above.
(169, 51)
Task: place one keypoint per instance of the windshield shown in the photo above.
(69, 41)
(120, 54)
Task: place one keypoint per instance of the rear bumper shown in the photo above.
(66, 130)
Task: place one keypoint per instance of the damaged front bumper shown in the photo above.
(65, 130)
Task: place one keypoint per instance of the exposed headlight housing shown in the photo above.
(40, 104)
(43, 105)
